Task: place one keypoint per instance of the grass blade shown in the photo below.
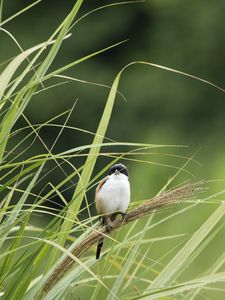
(169, 273)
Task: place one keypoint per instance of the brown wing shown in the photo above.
(98, 202)
(100, 184)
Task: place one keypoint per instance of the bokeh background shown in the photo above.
(161, 107)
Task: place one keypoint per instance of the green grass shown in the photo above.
(141, 261)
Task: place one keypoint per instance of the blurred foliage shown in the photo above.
(161, 107)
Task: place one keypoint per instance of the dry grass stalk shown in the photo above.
(165, 198)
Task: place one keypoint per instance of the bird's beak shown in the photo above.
(117, 172)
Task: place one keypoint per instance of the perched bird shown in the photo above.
(112, 197)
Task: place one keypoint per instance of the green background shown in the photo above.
(161, 107)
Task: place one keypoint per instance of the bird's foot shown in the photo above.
(105, 221)
(108, 228)
(114, 215)
(123, 215)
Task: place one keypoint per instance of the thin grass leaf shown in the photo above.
(76, 62)
(103, 7)
(24, 96)
(117, 286)
(8, 262)
(21, 282)
(9, 71)
(90, 162)
(18, 13)
(212, 270)
(169, 273)
(1, 10)
(52, 293)
(202, 247)
(10, 221)
(183, 287)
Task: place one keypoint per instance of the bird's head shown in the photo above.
(118, 169)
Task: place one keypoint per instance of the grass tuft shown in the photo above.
(53, 258)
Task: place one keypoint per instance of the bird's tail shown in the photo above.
(99, 248)
(100, 242)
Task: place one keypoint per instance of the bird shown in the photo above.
(112, 197)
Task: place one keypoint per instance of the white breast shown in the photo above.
(115, 194)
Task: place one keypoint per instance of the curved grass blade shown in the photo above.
(183, 287)
(169, 273)
(25, 95)
(18, 13)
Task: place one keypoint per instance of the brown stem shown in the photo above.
(165, 198)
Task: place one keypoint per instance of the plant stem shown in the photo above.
(166, 198)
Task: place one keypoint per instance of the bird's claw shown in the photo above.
(123, 215)
(108, 228)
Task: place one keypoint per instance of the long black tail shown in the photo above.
(104, 222)
(99, 248)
